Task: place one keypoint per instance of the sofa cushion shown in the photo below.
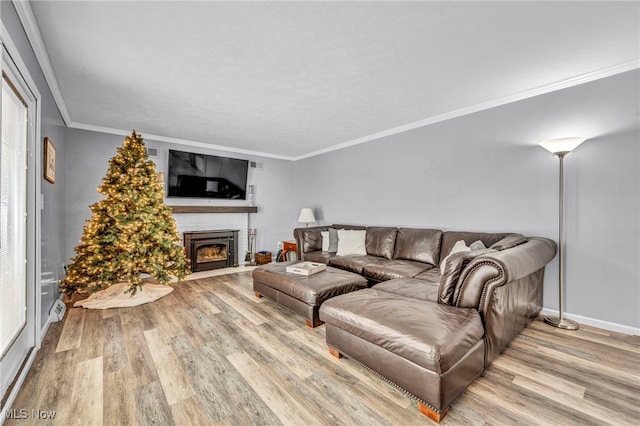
(477, 245)
(449, 238)
(350, 227)
(319, 256)
(509, 241)
(330, 240)
(397, 268)
(411, 287)
(453, 267)
(459, 246)
(432, 275)
(311, 240)
(421, 245)
(354, 263)
(351, 242)
(381, 241)
(428, 334)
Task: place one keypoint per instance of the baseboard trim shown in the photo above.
(605, 325)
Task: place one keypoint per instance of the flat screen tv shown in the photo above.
(206, 176)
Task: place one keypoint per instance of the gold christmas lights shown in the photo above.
(131, 231)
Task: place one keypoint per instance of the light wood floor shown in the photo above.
(211, 353)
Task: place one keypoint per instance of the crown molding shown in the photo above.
(30, 25)
(541, 90)
(178, 141)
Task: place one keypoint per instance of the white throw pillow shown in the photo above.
(351, 242)
(477, 245)
(325, 240)
(457, 247)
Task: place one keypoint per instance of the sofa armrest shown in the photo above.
(484, 273)
(506, 289)
(306, 236)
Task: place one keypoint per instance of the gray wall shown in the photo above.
(485, 172)
(88, 159)
(52, 126)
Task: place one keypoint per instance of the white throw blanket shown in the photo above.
(115, 296)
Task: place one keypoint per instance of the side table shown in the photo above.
(289, 246)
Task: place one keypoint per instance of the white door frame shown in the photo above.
(16, 69)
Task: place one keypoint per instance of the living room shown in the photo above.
(474, 166)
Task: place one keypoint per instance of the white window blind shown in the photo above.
(13, 244)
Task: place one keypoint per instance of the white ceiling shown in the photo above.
(290, 79)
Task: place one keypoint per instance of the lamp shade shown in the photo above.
(306, 215)
(562, 145)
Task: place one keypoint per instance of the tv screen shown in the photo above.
(206, 176)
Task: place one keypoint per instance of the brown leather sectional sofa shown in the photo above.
(427, 331)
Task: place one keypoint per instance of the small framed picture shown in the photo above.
(49, 161)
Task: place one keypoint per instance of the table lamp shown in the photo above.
(306, 216)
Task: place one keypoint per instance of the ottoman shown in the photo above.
(303, 294)
(432, 351)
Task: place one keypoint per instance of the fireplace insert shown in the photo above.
(208, 250)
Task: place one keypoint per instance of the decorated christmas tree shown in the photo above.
(131, 231)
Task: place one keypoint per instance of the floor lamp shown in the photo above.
(561, 148)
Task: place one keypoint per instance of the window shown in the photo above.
(13, 210)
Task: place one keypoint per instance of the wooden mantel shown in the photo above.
(214, 209)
